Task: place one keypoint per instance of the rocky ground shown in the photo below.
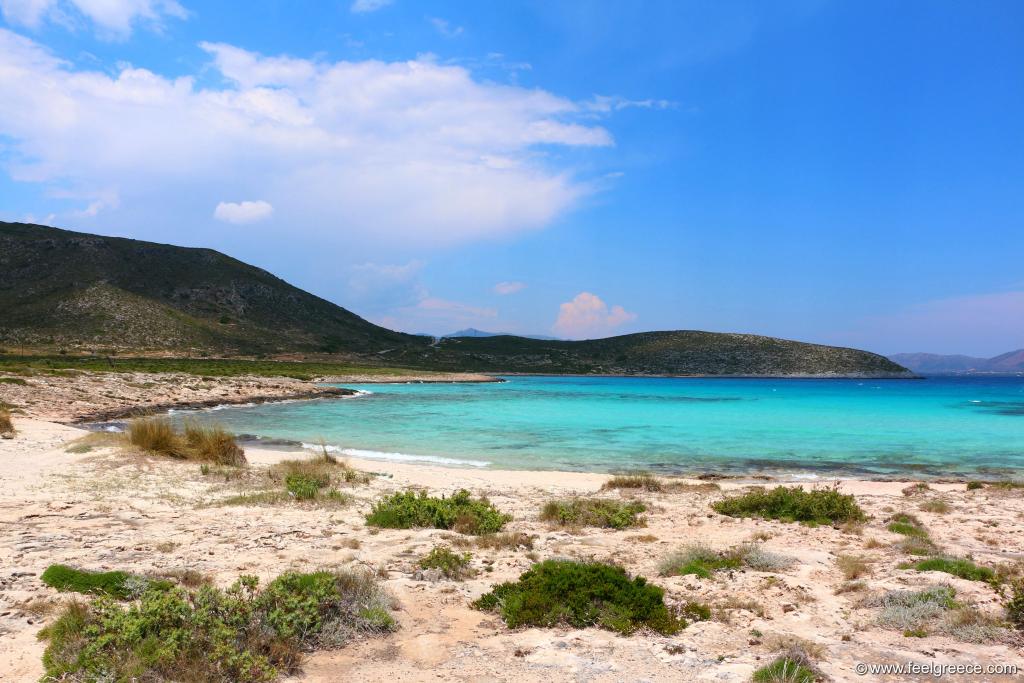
(95, 505)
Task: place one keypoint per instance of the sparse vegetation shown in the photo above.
(700, 560)
(242, 634)
(911, 610)
(917, 489)
(637, 480)
(793, 504)
(599, 512)
(452, 565)
(196, 442)
(509, 540)
(582, 594)
(459, 512)
(1015, 606)
(907, 525)
(935, 505)
(975, 485)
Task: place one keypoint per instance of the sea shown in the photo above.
(811, 429)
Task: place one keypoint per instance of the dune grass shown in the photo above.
(582, 594)
(794, 504)
(205, 443)
(785, 670)
(241, 634)
(459, 512)
(599, 512)
(959, 567)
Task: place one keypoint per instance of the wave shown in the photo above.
(397, 457)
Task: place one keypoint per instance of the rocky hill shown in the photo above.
(70, 291)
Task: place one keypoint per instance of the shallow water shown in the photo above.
(814, 428)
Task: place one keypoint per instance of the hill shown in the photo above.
(80, 292)
(938, 364)
(473, 332)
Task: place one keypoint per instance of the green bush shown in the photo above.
(794, 504)
(1015, 607)
(959, 567)
(785, 670)
(460, 512)
(451, 564)
(70, 580)
(581, 594)
(975, 485)
(241, 634)
(598, 512)
(303, 487)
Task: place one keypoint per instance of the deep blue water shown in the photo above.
(935, 427)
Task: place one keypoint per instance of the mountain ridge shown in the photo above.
(75, 291)
(1011, 362)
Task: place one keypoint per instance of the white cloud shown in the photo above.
(243, 212)
(416, 151)
(445, 28)
(588, 317)
(112, 18)
(364, 6)
(512, 287)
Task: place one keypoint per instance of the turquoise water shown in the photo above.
(938, 426)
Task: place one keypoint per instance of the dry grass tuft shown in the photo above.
(6, 426)
(197, 442)
(643, 481)
(935, 505)
(853, 567)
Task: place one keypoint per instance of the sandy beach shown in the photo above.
(102, 507)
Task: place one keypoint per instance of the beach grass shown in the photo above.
(6, 425)
(644, 481)
(70, 580)
(204, 443)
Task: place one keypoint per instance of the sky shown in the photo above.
(846, 173)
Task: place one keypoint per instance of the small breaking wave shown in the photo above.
(396, 457)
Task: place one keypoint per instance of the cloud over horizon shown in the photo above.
(588, 317)
(412, 151)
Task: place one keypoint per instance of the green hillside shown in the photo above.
(76, 292)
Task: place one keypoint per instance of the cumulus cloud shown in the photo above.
(243, 212)
(113, 18)
(505, 288)
(588, 317)
(413, 151)
(365, 6)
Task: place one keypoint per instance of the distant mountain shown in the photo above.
(937, 364)
(473, 332)
(80, 292)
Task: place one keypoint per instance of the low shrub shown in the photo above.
(794, 504)
(239, 634)
(975, 485)
(907, 525)
(581, 594)
(13, 380)
(912, 610)
(959, 567)
(451, 564)
(635, 480)
(757, 558)
(917, 489)
(597, 512)
(67, 579)
(508, 540)
(460, 512)
(785, 670)
(1015, 606)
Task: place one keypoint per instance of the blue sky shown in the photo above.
(846, 173)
